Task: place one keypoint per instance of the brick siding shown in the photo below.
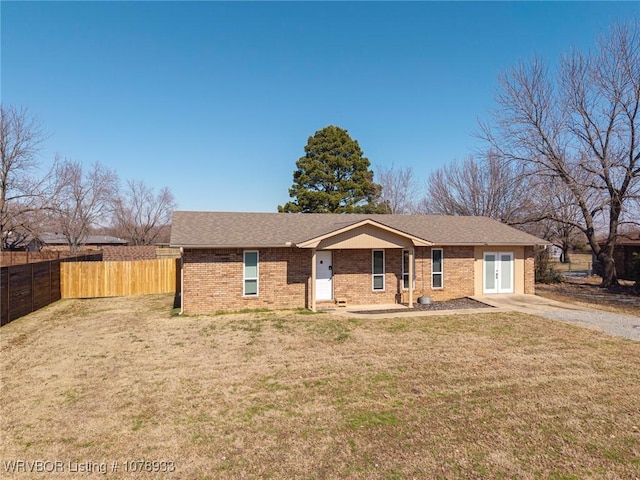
(213, 278)
(458, 271)
(529, 271)
(119, 254)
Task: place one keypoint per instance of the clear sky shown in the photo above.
(216, 100)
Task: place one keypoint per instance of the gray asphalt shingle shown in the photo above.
(235, 230)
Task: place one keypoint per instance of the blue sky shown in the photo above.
(216, 100)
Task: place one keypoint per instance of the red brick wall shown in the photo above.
(213, 279)
(353, 281)
(458, 274)
(529, 271)
(123, 253)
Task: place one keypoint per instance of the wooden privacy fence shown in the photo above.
(26, 288)
(8, 258)
(113, 279)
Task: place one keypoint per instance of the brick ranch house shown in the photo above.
(233, 261)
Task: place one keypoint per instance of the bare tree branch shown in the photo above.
(82, 199)
(580, 127)
(400, 190)
(486, 187)
(20, 191)
(140, 215)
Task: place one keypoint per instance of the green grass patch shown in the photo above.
(137, 423)
(304, 311)
(244, 310)
(333, 331)
(71, 396)
(368, 419)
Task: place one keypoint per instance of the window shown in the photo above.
(377, 269)
(405, 270)
(250, 288)
(436, 268)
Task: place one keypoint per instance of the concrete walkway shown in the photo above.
(615, 324)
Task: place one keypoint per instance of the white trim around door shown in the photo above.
(497, 272)
(324, 275)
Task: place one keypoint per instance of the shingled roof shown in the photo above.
(254, 230)
(59, 239)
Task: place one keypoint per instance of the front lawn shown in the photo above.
(291, 395)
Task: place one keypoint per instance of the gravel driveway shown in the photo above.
(616, 324)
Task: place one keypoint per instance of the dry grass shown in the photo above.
(587, 292)
(579, 261)
(287, 395)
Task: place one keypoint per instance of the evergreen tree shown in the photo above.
(333, 177)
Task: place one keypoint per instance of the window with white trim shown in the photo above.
(250, 286)
(405, 270)
(377, 269)
(437, 260)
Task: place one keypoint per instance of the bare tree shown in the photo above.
(81, 199)
(480, 187)
(400, 190)
(141, 215)
(559, 216)
(583, 128)
(20, 191)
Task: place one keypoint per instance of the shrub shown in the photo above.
(545, 273)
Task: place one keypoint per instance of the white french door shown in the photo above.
(498, 272)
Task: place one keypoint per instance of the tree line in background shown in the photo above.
(562, 162)
(562, 159)
(71, 199)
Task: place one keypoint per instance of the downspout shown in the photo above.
(181, 281)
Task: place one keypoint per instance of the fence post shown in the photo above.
(8, 294)
(33, 287)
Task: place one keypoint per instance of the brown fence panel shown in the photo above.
(4, 296)
(27, 287)
(18, 258)
(114, 279)
(20, 291)
(55, 280)
(41, 284)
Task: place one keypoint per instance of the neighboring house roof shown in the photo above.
(235, 230)
(630, 239)
(59, 239)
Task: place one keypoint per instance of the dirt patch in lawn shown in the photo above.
(292, 395)
(587, 291)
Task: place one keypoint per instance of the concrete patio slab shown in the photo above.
(525, 303)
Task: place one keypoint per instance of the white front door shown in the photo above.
(498, 272)
(324, 274)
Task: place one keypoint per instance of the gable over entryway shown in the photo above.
(367, 235)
